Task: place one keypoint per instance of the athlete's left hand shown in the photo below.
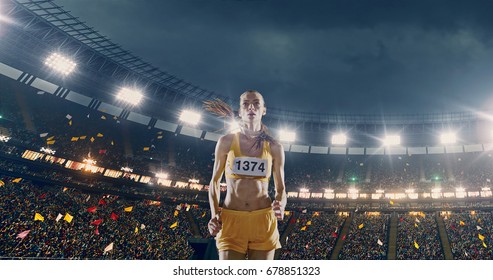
(278, 211)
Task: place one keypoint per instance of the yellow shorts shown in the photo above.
(243, 230)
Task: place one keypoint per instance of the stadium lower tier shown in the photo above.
(53, 221)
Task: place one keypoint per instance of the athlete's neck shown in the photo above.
(251, 133)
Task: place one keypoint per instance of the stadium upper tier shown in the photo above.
(32, 30)
(39, 123)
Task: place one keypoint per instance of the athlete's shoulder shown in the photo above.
(227, 137)
(225, 140)
(276, 148)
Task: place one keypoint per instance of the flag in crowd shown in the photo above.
(113, 216)
(17, 180)
(23, 234)
(108, 248)
(38, 217)
(97, 222)
(68, 217)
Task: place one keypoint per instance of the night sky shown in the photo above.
(363, 57)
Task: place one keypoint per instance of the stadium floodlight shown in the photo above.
(47, 151)
(392, 140)
(436, 190)
(353, 191)
(448, 138)
(4, 138)
(60, 63)
(89, 161)
(190, 117)
(339, 139)
(485, 189)
(287, 136)
(126, 169)
(410, 191)
(329, 190)
(460, 189)
(234, 127)
(193, 181)
(304, 190)
(162, 175)
(379, 191)
(131, 96)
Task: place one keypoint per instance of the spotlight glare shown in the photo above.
(448, 138)
(47, 150)
(162, 175)
(127, 169)
(130, 96)
(60, 63)
(287, 136)
(190, 117)
(234, 127)
(392, 140)
(4, 138)
(353, 191)
(339, 139)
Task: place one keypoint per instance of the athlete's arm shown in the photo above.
(220, 156)
(278, 159)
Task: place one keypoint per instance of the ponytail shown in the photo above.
(223, 110)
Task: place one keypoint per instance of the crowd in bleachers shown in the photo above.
(141, 232)
(418, 238)
(313, 236)
(367, 238)
(470, 235)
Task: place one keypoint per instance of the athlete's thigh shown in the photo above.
(231, 255)
(261, 254)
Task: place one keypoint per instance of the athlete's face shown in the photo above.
(252, 106)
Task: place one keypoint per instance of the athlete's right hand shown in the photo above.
(215, 225)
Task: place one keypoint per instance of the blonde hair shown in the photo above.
(252, 91)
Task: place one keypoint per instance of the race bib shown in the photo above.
(250, 166)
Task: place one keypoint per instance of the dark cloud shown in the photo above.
(324, 56)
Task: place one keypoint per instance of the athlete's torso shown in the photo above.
(249, 164)
(247, 175)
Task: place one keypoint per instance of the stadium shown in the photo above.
(103, 156)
